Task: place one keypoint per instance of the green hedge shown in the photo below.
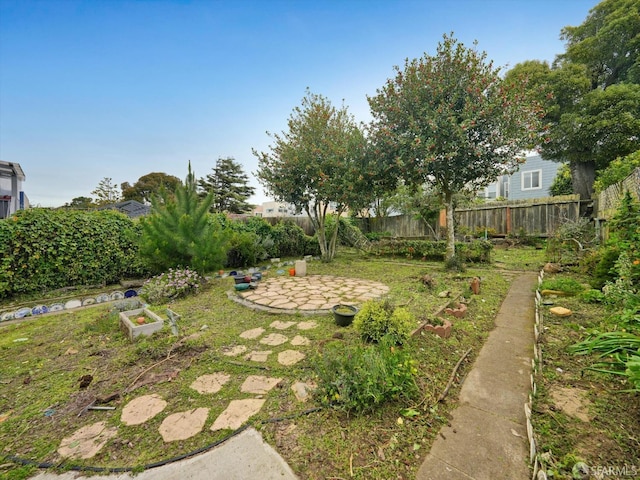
(478, 251)
(42, 249)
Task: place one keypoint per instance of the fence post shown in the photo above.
(508, 219)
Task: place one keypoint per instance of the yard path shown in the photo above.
(487, 436)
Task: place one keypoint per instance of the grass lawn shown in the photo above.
(44, 358)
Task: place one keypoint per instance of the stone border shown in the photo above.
(539, 473)
(67, 303)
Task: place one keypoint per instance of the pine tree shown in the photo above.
(180, 232)
(229, 186)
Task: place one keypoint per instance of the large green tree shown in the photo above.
(589, 94)
(180, 233)
(319, 165)
(149, 185)
(449, 120)
(229, 185)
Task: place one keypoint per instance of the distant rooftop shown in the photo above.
(8, 169)
(132, 208)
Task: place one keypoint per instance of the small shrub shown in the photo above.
(360, 378)
(566, 285)
(454, 264)
(592, 296)
(378, 318)
(170, 285)
(605, 267)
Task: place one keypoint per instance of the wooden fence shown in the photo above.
(609, 199)
(539, 217)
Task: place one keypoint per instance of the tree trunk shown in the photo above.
(583, 175)
(451, 233)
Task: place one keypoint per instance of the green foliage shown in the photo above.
(179, 232)
(378, 318)
(605, 267)
(106, 192)
(320, 160)
(455, 264)
(360, 378)
(617, 171)
(149, 185)
(229, 186)
(171, 285)
(562, 284)
(377, 236)
(572, 240)
(592, 296)
(562, 184)
(450, 121)
(43, 249)
(246, 249)
(475, 251)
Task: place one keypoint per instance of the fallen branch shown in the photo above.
(453, 376)
(128, 389)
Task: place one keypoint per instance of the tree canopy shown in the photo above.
(449, 120)
(149, 185)
(590, 93)
(229, 186)
(320, 162)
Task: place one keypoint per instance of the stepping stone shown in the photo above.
(141, 409)
(302, 390)
(258, 356)
(237, 413)
(307, 325)
(251, 334)
(290, 357)
(274, 339)
(278, 325)
(560, 311)
(87, 441)
(258, 384)
(234, 351)
(183, 425)
(210, 383)
(299, 340)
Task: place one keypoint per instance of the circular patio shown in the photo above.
(309, 294)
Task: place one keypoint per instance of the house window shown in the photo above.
(531, 180)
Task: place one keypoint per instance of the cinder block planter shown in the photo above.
(133, 329)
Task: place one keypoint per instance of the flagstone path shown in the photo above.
(310, 294)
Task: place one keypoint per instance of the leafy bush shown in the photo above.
(592, 296)
(360, 378)
(377, 236)
(475, 251)
(604, 270)
(43, 249)
(617, 171)
(378, 318)
(562, 284)
(171, 285)
(247, 249)
(562, 183)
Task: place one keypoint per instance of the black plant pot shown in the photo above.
(344, 314)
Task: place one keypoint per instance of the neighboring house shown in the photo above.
(12, 198)
(132, 208)
(282, 209)
(532, 180)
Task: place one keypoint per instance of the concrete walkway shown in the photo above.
(487, 437)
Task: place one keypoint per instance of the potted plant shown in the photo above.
(344, 314)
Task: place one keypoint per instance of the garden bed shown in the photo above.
(43, 400)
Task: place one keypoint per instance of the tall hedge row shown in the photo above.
(43, 249)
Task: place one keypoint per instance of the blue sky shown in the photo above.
(94, 89)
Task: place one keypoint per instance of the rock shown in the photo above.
(444, 294)
(560, 311)
(552, 268)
